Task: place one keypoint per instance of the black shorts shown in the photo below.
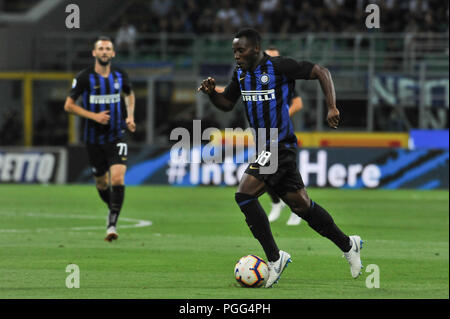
(102, 156)
(287, 178)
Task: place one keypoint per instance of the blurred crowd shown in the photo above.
(285, 16)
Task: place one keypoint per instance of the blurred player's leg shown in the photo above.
(293, 220)
(277, 205)
(117, 196)
(102, 185)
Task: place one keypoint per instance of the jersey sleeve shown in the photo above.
(79, 85)
(294, 69)
(126, 83)
(232, 90)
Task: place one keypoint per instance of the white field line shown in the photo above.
(137, 222)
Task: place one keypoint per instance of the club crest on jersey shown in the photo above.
(264, 78)
(116, 85)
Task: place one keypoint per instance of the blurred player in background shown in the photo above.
(266, 83)
(101, 87)
(277, 204)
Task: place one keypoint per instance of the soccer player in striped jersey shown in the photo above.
(295, 105)
(101, 87)
(265, 84)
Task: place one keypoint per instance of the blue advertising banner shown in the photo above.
(431, 139)
(352, 168)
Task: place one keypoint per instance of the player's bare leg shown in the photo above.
(277, 205)
(102, 185)
(117, 173)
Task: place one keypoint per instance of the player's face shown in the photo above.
(245, 53)
(103, 52)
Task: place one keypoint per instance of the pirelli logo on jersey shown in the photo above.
(258, 96)
(104, 99)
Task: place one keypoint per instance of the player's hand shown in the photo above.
(102, 117)
(208, 86)
(130, 124)
(333, 117)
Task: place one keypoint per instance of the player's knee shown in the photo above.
(300, 210)
(101, 183)
(243, 199)
(299, 204)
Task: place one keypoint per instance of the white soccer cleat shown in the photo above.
(294, 219)
(277, 267)
(276, 210)
(111, 234)
(353, 256)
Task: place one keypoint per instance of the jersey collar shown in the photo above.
(263, 61)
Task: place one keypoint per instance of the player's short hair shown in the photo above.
(103, 38)
(251, 34)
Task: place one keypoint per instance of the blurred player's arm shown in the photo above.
(71, 107)
(130, 102)
(220, 99)
(296, 105)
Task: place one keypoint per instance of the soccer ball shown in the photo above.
(251, 271)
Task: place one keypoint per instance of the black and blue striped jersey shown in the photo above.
(101, 94)
(267, 92)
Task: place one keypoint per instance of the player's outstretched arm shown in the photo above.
(208, 86)
(72, 108)
(326, 82)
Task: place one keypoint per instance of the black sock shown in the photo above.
(105, 195)
(322, 222)
(273, 196)
(117, 196)
(257, 221)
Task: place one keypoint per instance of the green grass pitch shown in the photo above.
(198, 234)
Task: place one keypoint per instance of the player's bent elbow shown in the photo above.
(68, 105)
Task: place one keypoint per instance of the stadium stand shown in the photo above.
(186, 39)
